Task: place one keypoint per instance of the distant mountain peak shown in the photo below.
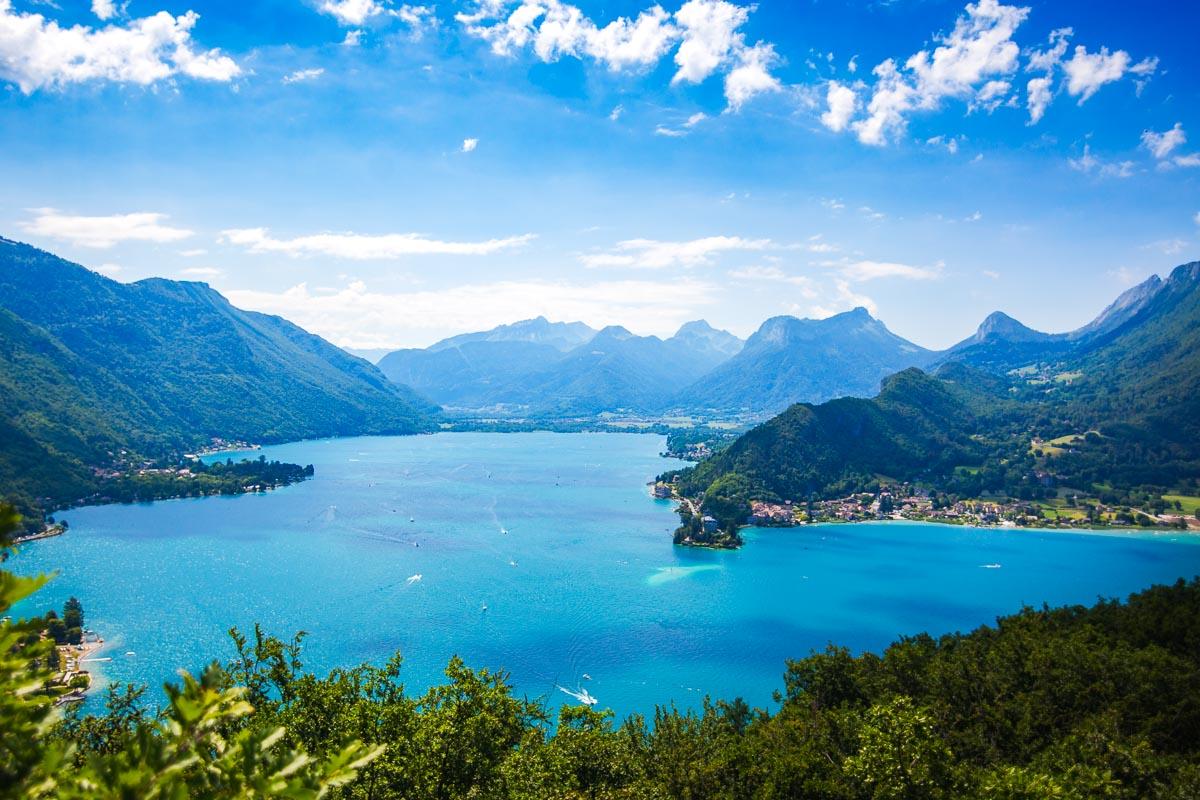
(1185, 273)
(563, 336)
(696, 325)
(1124, 308)
(999, 325)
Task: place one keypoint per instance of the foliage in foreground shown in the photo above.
(1074, 703)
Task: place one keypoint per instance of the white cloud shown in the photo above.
(695, 119)
(990, 273)
(201, 272)
(469, 145)
(352, 12)
(979, 50)
(1161, 144)
(1046, 60)
(1039, 97)
(361, 247)
(663, 130)
(950, 144)
(842, 102)
(109, 269)
(705, 31)
(1088, 163)
(353, 38)
(104, 9)
(36, 53)
(976, 62)
(991, 96)
(709, 32)
(355, 316)
(1196, 219)
(1087, 72)
(1190, 160)
(303, 75)
(193, 253)
(860, 271)
(616, 113)
(974, 217)
(652, 254)
(852, 66)
(751, 76)
(418, 18)
(103, 232)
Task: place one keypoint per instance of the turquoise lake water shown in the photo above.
(556, 535)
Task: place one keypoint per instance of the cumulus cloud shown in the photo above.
(1087, 72)
(104, 231)
(968, 61)
(104, 9)
(704, 33)
(356, 316)
(352, 12)
(842, 102)
(361, 247)
(1161, 145)
(1038, 95)
(652, 254)
(469, 145)
(976, 62)
(37, 53)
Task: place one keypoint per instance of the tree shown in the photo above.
(901, 755)
(73, 613)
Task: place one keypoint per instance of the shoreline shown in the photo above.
(77, 660)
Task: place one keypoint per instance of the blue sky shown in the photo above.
(388, 174)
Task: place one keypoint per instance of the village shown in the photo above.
(904, 502)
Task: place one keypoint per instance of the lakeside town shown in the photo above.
(904, 502)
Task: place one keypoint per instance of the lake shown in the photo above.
(542, 554)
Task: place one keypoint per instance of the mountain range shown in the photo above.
(1124, 390)
(94, 372)
(541, 368)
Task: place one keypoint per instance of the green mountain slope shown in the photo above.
(1135, 385)
(93, 367)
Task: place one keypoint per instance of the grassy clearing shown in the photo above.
(1191, 505)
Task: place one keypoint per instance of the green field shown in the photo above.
(1190, 504)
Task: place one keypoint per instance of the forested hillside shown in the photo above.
(1121, 400)
(95, 373)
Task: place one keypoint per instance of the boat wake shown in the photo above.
(583, 695)
(413, 579)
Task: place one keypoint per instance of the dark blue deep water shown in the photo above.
(556, 536)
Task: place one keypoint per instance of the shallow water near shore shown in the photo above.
(542, 554)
